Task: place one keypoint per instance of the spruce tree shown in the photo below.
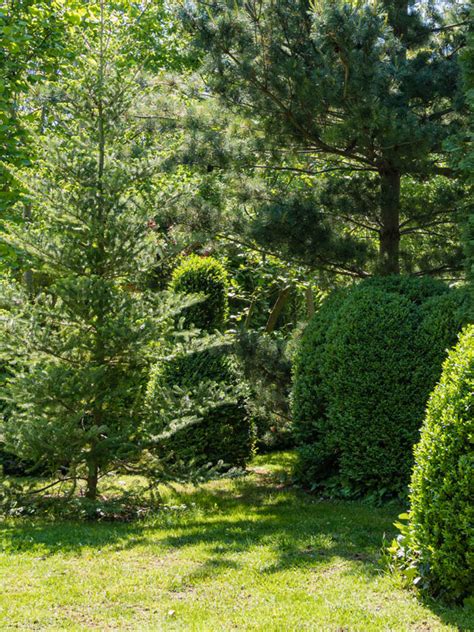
(361, 95)
(78, 347)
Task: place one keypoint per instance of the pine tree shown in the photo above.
(465, 155)
(362, 95)
(79, 346)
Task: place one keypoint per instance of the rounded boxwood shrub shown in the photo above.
(374, 404)
(365, 368)
(207, 276)
(308, 402)
(415, 289)
(440, 532)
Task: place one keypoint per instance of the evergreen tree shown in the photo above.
(361, 93)
(466, 154)
(79, 346)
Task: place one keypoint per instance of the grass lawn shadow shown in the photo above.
(254, 524)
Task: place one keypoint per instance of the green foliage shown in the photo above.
(79, 351)
(33, 49)
(266, 363)
(310, 426)
(353, 101)
(465, 153)
(435, 548)
(414, 289)
(205, 276)
(222, 430)
(363, 373)
(374, 407)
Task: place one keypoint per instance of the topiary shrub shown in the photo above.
(225, 433)
(442, 318)
(374, 405)
(436, 549)
(365, 368)
(415, 289)
(203, 275)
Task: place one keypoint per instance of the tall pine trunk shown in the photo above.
(389, 245)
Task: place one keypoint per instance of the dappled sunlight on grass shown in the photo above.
(248, 553)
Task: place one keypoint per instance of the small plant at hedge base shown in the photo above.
(435, 550)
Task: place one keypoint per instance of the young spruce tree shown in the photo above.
(79, 344)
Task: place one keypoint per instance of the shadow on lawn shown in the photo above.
(294, 529)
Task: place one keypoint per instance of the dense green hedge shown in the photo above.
(308, 402)
(366, 365)
(439, 539)
(374, 404)
(207, 276)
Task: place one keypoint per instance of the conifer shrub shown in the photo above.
(365, 368)
(436, 548)
(207, 276)
(10, 464)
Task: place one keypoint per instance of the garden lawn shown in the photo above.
(247, 553)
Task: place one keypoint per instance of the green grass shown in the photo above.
(243, 554)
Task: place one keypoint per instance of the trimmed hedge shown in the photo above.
(308, 402)
(441, 527)
(207, 276)
(374, 404)
(365, 368)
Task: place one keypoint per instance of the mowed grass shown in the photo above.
(247, 553)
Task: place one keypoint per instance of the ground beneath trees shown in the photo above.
(242, 554)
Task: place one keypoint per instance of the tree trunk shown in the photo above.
(389, 253)
(309, 302)
(277, 309)
(92, 478)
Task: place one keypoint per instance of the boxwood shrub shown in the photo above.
(436, 549)
(362, 376)
(207, 276)
(374, 404)
(308, 402)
